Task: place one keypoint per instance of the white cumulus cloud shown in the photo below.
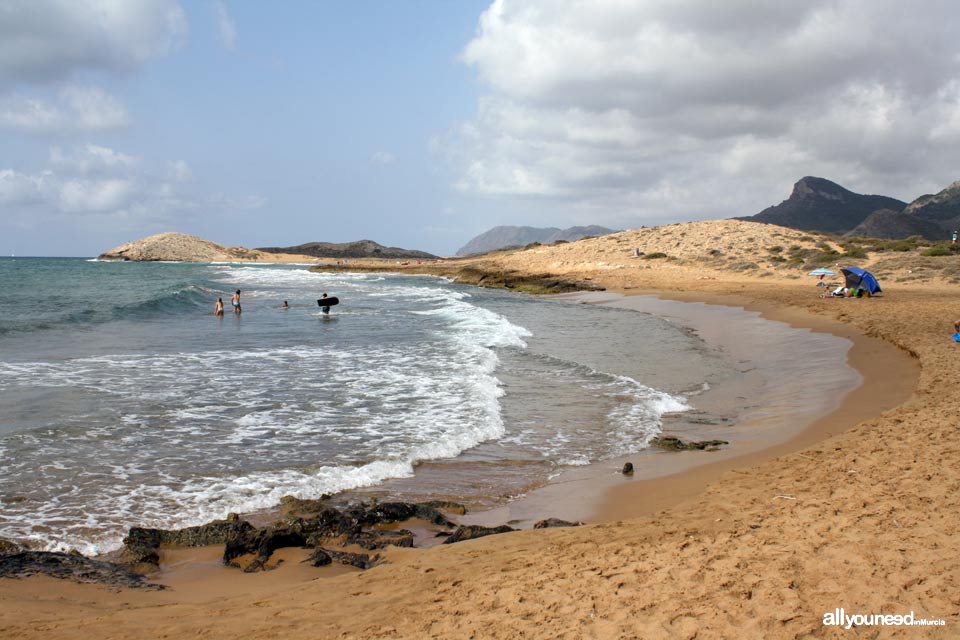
(51, 40)
(92, 159)
(76, 109)
(696, 108)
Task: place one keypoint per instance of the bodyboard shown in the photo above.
(328, 302)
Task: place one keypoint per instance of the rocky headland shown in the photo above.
(179, 247)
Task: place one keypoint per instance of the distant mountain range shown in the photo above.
(817, 204)
(507, 236)
(358, 249)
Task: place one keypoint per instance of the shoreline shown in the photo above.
(599, 493)
(873, 358)
(697, 527)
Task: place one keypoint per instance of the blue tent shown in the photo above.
(860, 280)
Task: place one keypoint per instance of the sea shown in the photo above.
(124, 401)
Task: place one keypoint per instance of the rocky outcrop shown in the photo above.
(672, 443)
(474, 531)
(322, 557)
(503, 237)
(817, 204)
(177, 247)
(68, 566)
(551, 523)
(9, 546)
(942, 208)
(141, 546)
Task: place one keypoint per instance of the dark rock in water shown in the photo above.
(9, 546)
(627, 469)
(671, 443)
(263, 542)
(443, 505)
(68, 566)
(323, 557)
(475, 531)
(379, 539)
(550, 523)
(141, 546)
(368, 514)
(297, 505)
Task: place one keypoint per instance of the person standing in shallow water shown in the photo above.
(235, 301)
(218, 310)
(325, 308)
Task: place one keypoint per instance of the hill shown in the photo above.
(893, 225)
(177, 247)
(358, 249)
(509, 236)
(942, 208)
(817, 204)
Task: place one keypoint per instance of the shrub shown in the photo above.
(775, 249)
(532, 245)
(938, 250)
(654, 256)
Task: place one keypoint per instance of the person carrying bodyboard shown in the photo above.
(325, 303)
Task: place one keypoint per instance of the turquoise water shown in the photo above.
(124, 401)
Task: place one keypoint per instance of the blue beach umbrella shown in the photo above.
(862, 280)
(821, 272)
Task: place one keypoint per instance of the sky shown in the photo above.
(422, 124)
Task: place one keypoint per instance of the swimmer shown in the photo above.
(235, 301)
(218, 311)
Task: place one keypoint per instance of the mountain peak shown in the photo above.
(817, 204)
(810, 186)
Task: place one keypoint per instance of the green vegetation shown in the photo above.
(906, 244)
(777, 249)
(853, 250)
(942, 249)
(655, 256)
(532, 245)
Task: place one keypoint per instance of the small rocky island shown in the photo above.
(178, 247)
(182, 247)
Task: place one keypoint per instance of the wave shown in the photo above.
(173, 300)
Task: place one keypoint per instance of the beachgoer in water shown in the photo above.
(324, 308)
(285, 305)
(235, 301)
(218, 311)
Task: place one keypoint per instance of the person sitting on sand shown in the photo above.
(218, 310)
(235, 301)
(956, 326)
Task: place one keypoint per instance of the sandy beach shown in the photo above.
(858, 510)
